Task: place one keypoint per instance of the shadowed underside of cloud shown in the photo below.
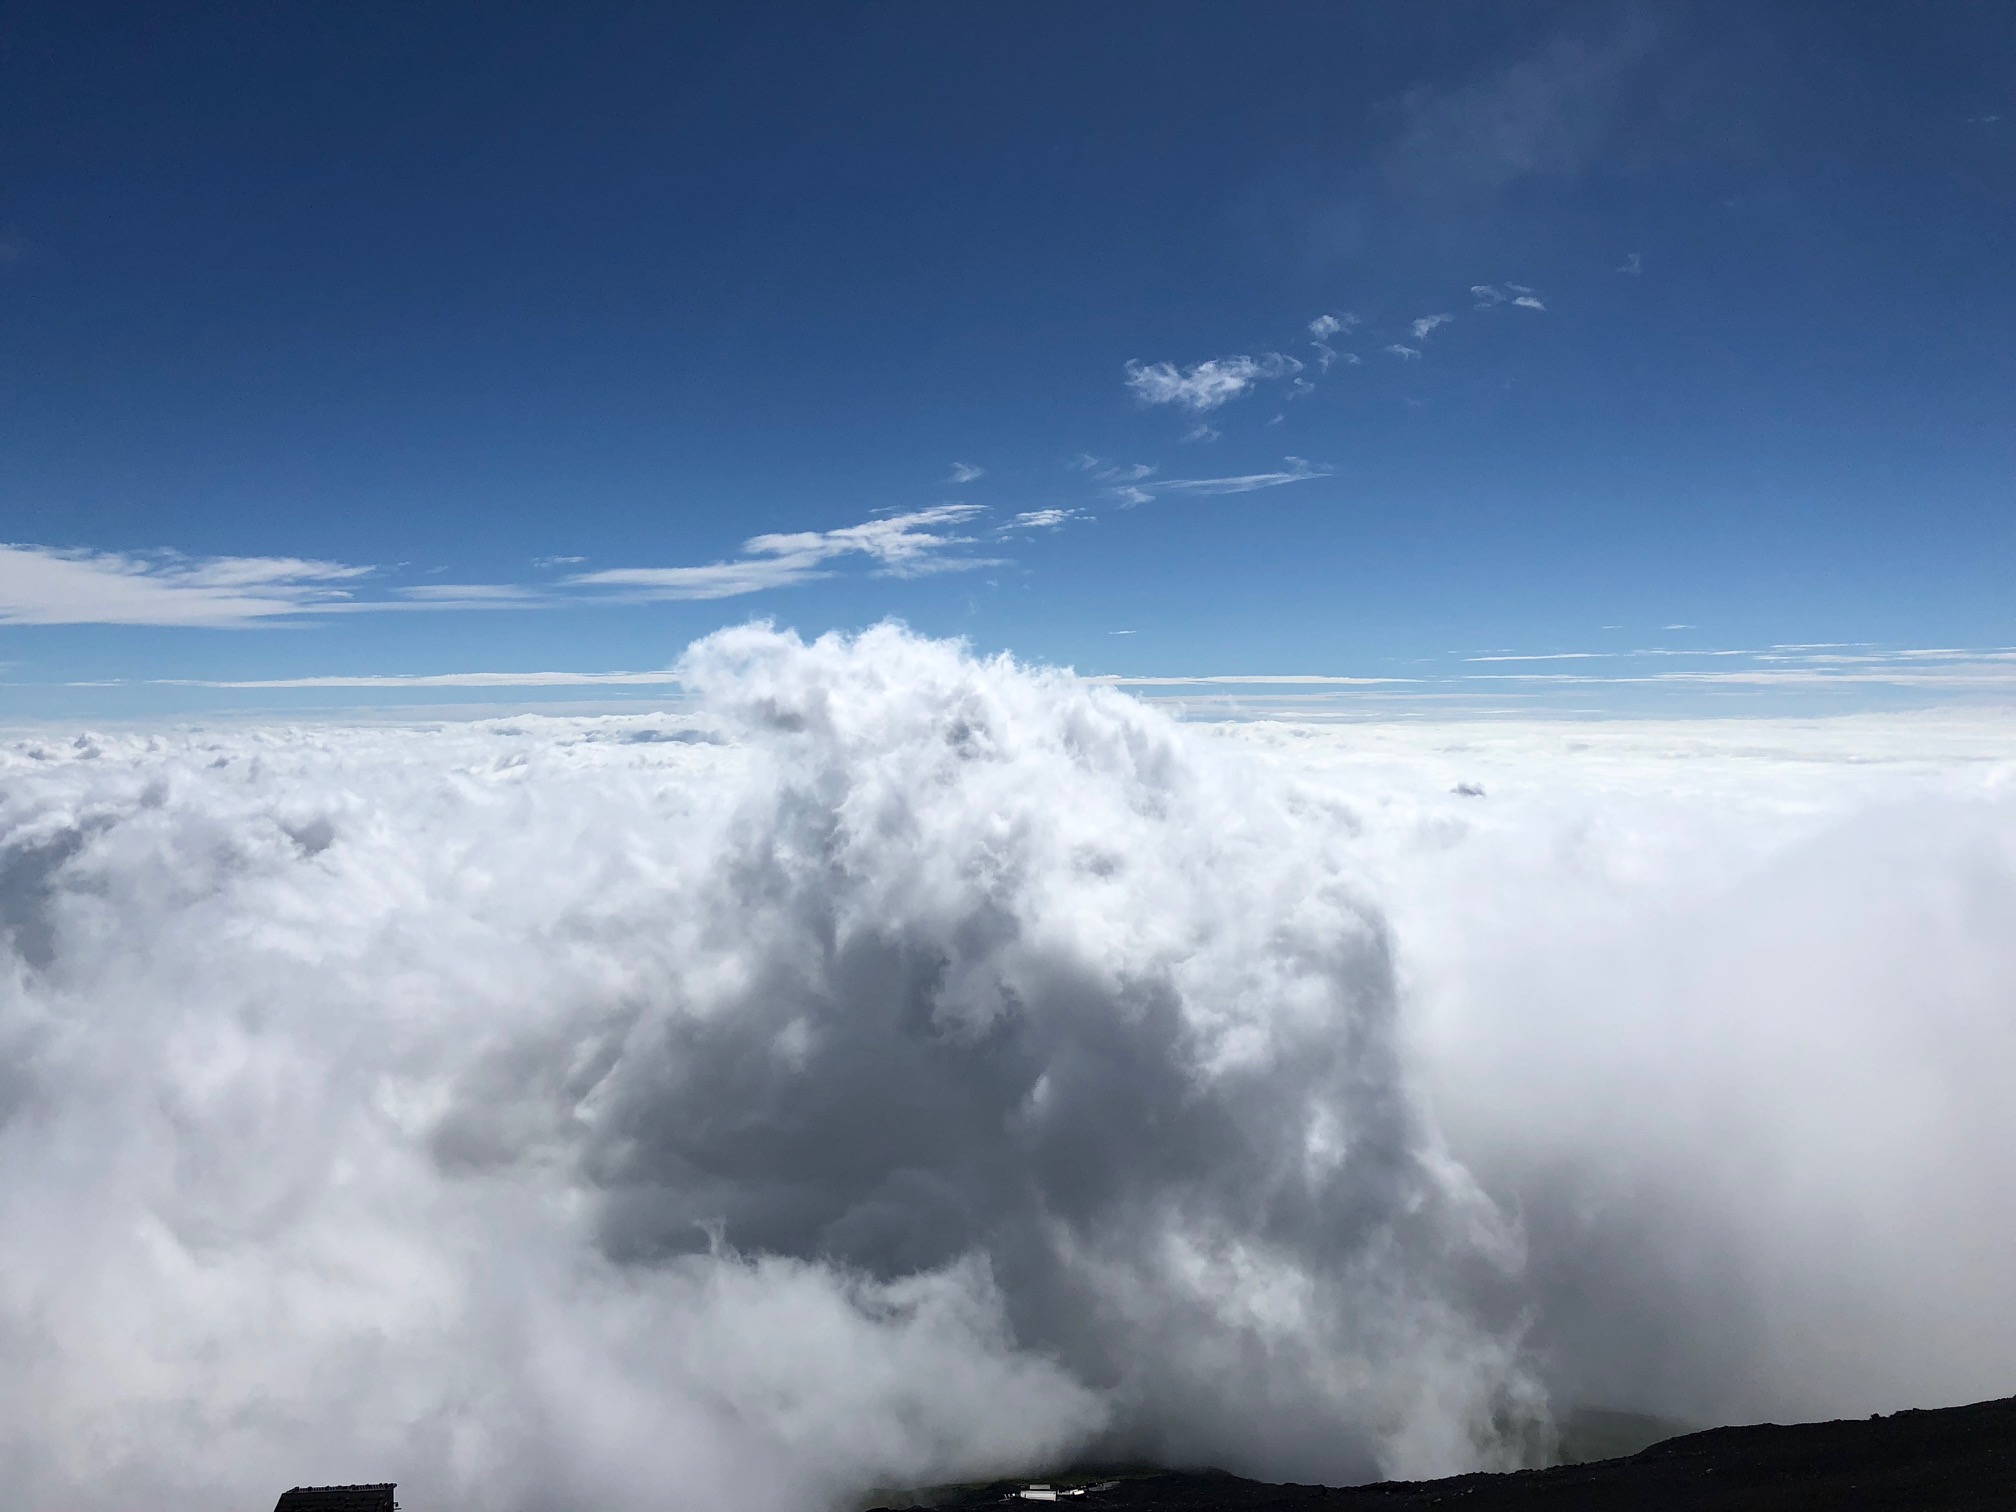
(952, 1066)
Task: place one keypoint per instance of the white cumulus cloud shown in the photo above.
(1206, 385)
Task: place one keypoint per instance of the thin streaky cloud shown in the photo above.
(1323, 327)
(1297, 471)
(1202, 432)
(901, 545)
(1957, 676)
(965, 472)
(1041, 519)
(1688, 651)
(558, 561)
(1633, 264)
(1260, 679)
(434, 680)
(1529, 302)
(1904, 657)
(1404, 353)
(505, 597)
(1128, 495)
(44, 585)
(1427, 324)
(469, 593)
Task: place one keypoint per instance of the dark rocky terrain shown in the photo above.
(1950, 1457)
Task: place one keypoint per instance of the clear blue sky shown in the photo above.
(417, 340)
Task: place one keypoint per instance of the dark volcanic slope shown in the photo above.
(1954, 1457)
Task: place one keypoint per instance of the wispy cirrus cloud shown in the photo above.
(1040, 519)
(1297, 470)
(1264, 679)
(1325, 327)
(47, 585)
(1109, 471)
(464, 595)
(1548, 114)
(901, 545)
(44, 585)
(1811, 668)
(1404, 353)
(1490, 296)
(1427, 325)
(965, 472)
(1205, 385)
(434, 680)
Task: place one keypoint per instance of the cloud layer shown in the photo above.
(1709, 1004)
(557, 1110)
(908, 1067)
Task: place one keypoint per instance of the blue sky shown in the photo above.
(1162, 340)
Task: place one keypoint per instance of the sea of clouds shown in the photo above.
(903, 1067)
